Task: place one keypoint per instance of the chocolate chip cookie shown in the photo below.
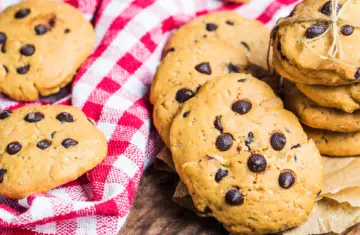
(183, 72)
(42, 147)
(250, 36)
(42, 44)
(317, 116)
(245, 160)
(336, 144)
(346, 97)
(317, 46)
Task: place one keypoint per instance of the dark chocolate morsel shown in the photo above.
(67, 143)
(40, 29)
(43, 144)
(315, 30)
(296, 146)
(326, 9)
(278, 141)
(257, 163)
(241, 107)
(34, 117)
(211, 27)
(224, 142)
(22, 13)
(23, 70)
(242, 80)
(5, 114)
(217, 124)
(27, 50)
(13, 148)
(286, 179)
(186, 114)
(233, 68)
(246, 45)
(3, 37)
(203, 68)
(228, 22)
(2, 173)
(234, 197)
(65, 117)
(221, 173)
(183, 95)
(357, 73)
(347, 30)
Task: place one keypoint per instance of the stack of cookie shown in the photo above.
(42, 44)
(245, 160)
(316, 48)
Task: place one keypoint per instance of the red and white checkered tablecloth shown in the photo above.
(112, 88)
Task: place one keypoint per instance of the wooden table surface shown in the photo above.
(155, 213)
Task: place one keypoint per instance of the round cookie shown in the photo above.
(251, 36)
(43, 147)
(346, 97)
(257, 166)
(181, 74)
(42, 44)
(305, 50)
(317, 116)
(335, 144)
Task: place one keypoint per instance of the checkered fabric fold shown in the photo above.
(112, 88)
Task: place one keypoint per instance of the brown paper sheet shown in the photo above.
(337, 211)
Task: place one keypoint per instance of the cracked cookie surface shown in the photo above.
(251, 36)
(183, 72)
(245, 160)
(317, 116)
(42, 44)
(43, 147)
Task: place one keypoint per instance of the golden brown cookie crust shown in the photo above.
(335, 144)
(303, 48)
(43, 147)
(249, 35)
(183, 72)
(317, 116)
(346, 97)
(45, 43)
(221, 108)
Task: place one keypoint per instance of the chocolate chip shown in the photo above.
(326, 8)
(241, 107)
(246, 45)
(274, 32)
(278, 141)
(172, 49)
(234, 197)
(318, 194)
(34, 117)
(22, 13)
(5, 114)
(2, 37)
(183, 95)
(357, 74)
(67, 31)
(286, 179)
(250, 138)
(211, 27)
(224, 142)
(221, 173)
(43, 144)
(217, 124)
(3, 48)
(204, 68)
(67, 143)
(13, 148)
(23, 70)
(40, 29)
(2, 173)
(52, 135)
(206, 211)
(209, 157)
(27, 50)
(257, 163)
(242, 80)
(6, 69)
(233, 68)
(347, 30)
(65, 117)
(296, 146)
(186, 114)
(228, 22)
(52, 22)
(315, 30)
